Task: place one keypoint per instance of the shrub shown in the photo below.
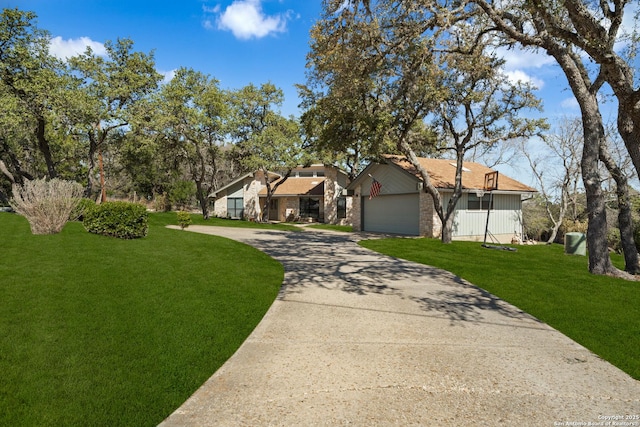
(161, 203)
(117, 219)
(613, 240)
(184, 219)
(574, 226)
(47, 205)
(83, 207)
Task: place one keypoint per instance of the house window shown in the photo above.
(310, 207)
(479, 203)
(342, 207)
(235, 207)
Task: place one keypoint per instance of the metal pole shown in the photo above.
(486, 227)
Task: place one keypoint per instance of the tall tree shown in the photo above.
(559, 28)
(265, 140)
(30, 83)
(410, 70)
(106, 89)
(191, 113)
(557, 170)
(573, 32)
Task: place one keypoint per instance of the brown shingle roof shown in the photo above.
(298, 186)
(442, 174)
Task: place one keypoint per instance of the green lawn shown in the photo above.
(341, 228)
(601, 313)
(164, 218)
(101, 331)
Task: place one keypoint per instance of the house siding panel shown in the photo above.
(393, 182)
(504, 219)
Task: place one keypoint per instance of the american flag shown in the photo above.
(375, 188)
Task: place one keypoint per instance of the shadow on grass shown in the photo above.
(336, 262)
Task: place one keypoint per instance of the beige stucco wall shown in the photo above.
(220, 206)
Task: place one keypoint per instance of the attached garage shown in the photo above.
(401, 205)
(393, 213)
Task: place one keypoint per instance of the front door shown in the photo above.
(273, 210)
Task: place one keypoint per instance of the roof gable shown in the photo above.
(299, 186)
(442, 173)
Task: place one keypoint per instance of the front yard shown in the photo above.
(101, 331)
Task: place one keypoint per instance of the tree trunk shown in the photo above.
(599, 261)
(91, 166)
(625, 221)
(406, 149)
(44, 147)
(203, 198)
(270, 191)
(594, 136)
(103, 189)
(447, 229)
(619, 75)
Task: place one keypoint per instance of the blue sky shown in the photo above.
(236, 41)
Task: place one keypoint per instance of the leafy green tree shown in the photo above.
(581, 37)
(411, 76)
(562, 29)
(265, 140)
(107, 87)
(191, 113)
(31, 81)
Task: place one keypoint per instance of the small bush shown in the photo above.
(184, 219)
(47, 205)
(117, 219)
(571, 226)
(613, 240)
(84, 205)
(161, 203)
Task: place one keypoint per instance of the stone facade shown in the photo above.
(250, 187)
(252, 208)
(428, 217)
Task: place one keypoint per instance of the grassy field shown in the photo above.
(101, 331)
(601, 313)
(341, 228)
(164, 218)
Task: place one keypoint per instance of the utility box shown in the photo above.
(575, 244)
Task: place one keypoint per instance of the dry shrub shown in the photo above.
(47, 205)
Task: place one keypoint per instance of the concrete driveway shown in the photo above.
(359, 338)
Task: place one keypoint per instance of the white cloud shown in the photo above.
(517, 59)
(516, 76)
(246, 20)
(65, 49)
(168, 75)
(570, 103)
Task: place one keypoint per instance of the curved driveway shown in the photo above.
(360, 338)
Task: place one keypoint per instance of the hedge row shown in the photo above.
(117, 219)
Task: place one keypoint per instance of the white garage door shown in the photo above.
(392, 213)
